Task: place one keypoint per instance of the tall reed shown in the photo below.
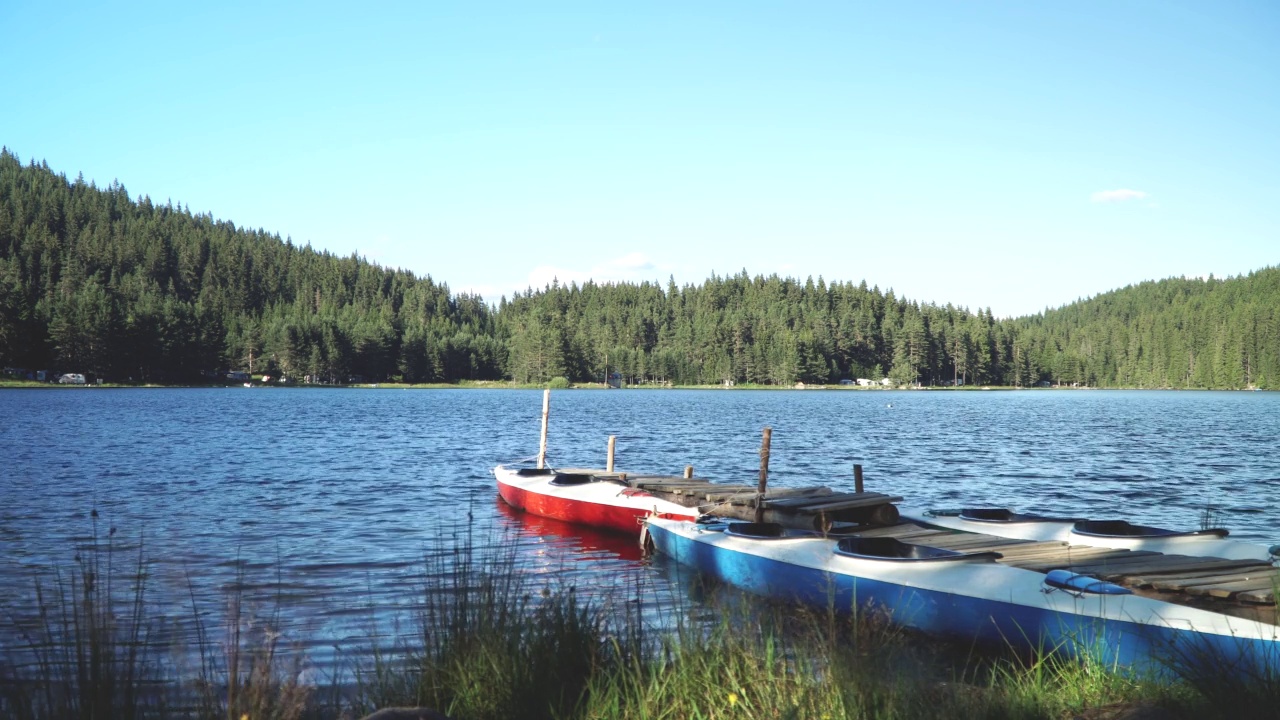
(88, 653)
(95, 648)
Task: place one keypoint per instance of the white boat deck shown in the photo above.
(1249, 585)
(1246, 587)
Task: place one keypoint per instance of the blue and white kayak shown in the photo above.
(1121, 534)
(969, 596)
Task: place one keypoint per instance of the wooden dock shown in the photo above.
(806, 507)
(1243, 588)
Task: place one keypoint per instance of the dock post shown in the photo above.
(542, 445)
(613, 441)
(857, 478)
(688, 472)
(764, 473)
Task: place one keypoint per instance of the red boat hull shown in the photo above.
(605, 516)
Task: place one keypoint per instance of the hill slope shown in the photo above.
(92, 280)
(1180, 333)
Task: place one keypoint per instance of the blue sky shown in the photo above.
(1005, 155)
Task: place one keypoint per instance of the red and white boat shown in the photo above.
(583, 497)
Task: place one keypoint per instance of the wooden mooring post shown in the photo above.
(764, 473)
(613, 442)
(688, 472)
(857, 478)
(542, 444)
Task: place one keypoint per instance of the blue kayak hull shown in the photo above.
(1029, 623)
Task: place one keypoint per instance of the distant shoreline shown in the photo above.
(9, 384)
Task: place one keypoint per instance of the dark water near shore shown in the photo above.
(325, 501)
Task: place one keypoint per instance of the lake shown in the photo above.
(325, 502)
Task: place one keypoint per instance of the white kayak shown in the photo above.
(971, 595)
(1002, 522)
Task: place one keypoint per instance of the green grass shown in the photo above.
(488, 643)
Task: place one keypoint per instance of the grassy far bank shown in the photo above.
(487, 644)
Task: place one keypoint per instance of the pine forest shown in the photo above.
(94, 281)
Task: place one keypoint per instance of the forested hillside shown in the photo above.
(1175, 333)
(1178, 333)
(760, 330)
(91, 280)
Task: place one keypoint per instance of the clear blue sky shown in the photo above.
(1006, 155)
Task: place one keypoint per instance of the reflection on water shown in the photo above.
(334, 504)
(576, 542)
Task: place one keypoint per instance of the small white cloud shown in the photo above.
(1113, 196)
(632, 261)
(632, 267)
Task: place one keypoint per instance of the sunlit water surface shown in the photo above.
(334, 506)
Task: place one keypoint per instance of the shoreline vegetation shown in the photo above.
(488, 643)
(511, 385)
(96, 282)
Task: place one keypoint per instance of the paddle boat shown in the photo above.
(1002, 522)
(583, 497)
(985, 595)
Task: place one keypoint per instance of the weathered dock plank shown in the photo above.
(827, 506)
(743, 495)
(1261, 597)
(1033, 549)
(1218, 577)
(1077, 559)
(1060, 556)
(1228, 590)
(1167, 563)
(981, 542)
(796, 502)
(900, 531)
(773, 497)
(1154, 580)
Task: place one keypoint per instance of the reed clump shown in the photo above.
(94, 647)
(84, 649)
(490, 641)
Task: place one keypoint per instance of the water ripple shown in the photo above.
(336, 504)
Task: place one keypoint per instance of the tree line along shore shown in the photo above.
(133, 291)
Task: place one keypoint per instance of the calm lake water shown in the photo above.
(326, 501)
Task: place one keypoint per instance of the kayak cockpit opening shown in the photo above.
(894, 550)
(1004, 515)
(765, 531)
(1125, 529)
(573, 479)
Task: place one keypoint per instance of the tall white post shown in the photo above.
(542, 446)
